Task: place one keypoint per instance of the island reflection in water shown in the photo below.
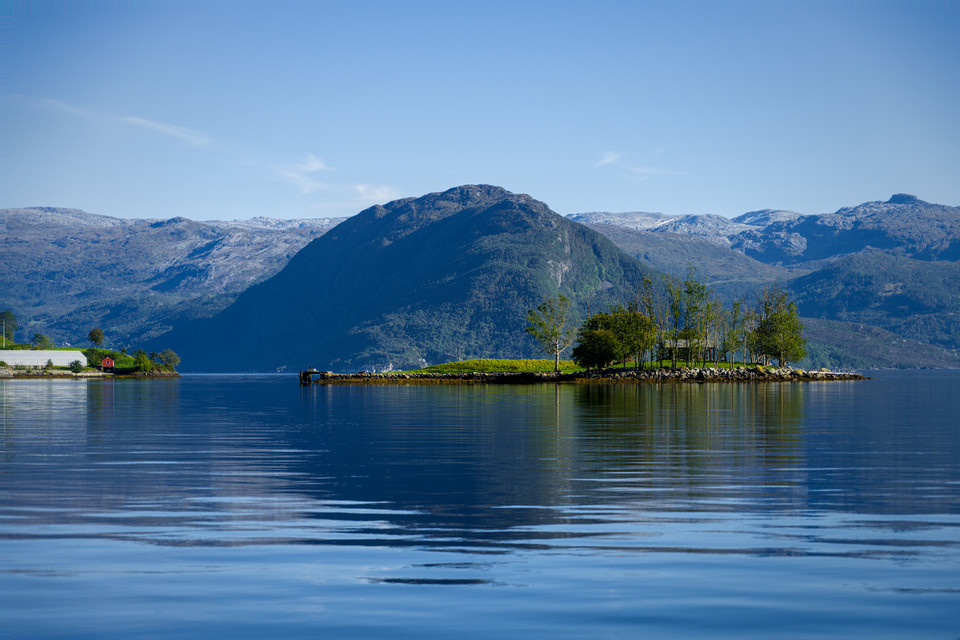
(675, 493)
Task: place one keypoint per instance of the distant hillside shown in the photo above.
(64, 271)
(904, 225)
(916, 299)
(893, 265)
(675, 253)
(857, 345)
(442, 277)
(716, 229)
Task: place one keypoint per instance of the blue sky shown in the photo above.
(223, 110)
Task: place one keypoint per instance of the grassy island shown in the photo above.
(487, 371)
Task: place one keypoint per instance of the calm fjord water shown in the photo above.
(248, 507)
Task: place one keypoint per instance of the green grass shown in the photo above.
(120, 360)
(681, 364)
(486, 365)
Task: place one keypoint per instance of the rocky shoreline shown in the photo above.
(59, 374)
(706, 374)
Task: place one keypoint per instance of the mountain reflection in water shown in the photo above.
(712, 492)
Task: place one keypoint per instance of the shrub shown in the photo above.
(597, 348)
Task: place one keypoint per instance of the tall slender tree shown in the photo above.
(551, 325)
(9, 322)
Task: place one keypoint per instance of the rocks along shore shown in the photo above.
(706, 374)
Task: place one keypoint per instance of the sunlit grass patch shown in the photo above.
(490, 365)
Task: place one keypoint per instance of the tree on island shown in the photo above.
(780, 330)
(41, 342)
(96, 336)
(168, 359)
(689, 324)
(141, 362)
(9, 322)
(550, 325)
(596, 348)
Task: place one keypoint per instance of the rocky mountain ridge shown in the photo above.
(714, 228)
(903, 225)
(886, 269)
(66, 270)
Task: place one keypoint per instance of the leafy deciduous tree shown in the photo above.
(96, 336)
(141, 362)
(550, 325)
(168, 359)
(779, 332)
(596, 348)
(40, 341)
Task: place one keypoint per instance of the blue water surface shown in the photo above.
(248, 506)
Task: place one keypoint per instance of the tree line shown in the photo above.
(683, 321)
(138, 360)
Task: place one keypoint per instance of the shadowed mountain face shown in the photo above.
(448, 275)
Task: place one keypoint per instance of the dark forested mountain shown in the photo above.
(64, 271)
(916, 299)
(445, 276)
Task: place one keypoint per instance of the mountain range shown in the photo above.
(65, 271)
(446, 276)
(893, 265)
(451, 274)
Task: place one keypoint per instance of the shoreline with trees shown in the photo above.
(687, 323)
(138, 364)
(682, 324)
(460, 373)
(680, 321)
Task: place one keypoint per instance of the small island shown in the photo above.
(697, 341)
(487, 371)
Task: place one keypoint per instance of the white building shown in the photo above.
(40, 358)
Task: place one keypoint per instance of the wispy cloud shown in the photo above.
(57, 105)
(642, 173)
(376, 193)
(620, 162)
(302, 175)
(610, 157)
(191, 137)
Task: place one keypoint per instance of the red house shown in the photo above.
(107, 364)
